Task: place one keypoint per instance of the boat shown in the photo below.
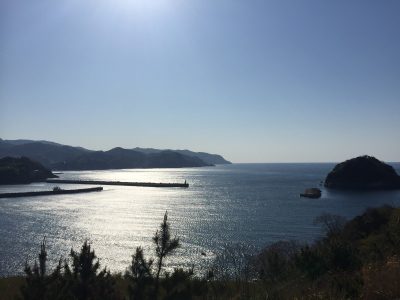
(314, 193)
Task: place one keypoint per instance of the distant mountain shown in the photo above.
(21, 142)
(47, 153)
(119, 158)
(22, 170)
(61, 157)
(214, 159)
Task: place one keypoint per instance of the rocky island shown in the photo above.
(363, 172)
(20, 170)
(313, 193)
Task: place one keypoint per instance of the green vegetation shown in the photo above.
(22, 170)
(358, 259)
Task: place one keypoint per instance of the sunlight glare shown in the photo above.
(142, 7)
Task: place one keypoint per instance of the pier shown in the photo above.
(124, 183)
(53, 192)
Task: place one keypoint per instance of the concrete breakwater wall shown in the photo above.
(53, 192)
(124, 183)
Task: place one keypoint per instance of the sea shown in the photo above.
(252, 205)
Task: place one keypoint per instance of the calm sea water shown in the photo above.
(255, 204)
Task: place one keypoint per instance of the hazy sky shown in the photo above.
(256, 81)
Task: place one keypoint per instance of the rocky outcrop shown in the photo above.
(311, 193)
(364, 172)
(14, 170)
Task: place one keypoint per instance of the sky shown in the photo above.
(255, 81)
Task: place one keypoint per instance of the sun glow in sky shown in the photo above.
(256, 81)
(141, 5)
(142, 9)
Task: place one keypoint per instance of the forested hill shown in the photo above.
(214, 159)
(22, 170)
(62, 157)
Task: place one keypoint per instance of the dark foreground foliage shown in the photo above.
(358, 259)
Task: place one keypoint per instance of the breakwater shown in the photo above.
(53, 192)
(125, 183)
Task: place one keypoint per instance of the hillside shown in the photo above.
(47, 153)
(363, 172)
(61, 157)
(22, 170)
(119, 158)
(214, 159)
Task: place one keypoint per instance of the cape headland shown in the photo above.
(17, 170)
(363, 172)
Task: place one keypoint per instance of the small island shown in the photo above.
(363, 172)
(22, 170)
(313, 193)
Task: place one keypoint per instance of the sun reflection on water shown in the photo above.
(255, 205)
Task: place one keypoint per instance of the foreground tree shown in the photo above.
(84, 279)
(140, 276)
(35, 287)
(38, 285)
(165, 246)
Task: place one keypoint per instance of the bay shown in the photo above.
(253, 204)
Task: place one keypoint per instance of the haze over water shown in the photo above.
(255, 204)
